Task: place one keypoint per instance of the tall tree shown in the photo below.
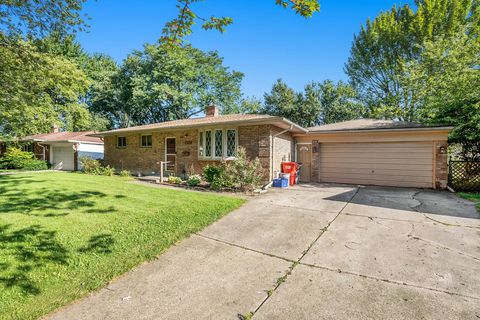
(339, 102)
(164, 83)
(383, 47)
(446, 79)
(37, 18)
(32, 98)
(319, 103)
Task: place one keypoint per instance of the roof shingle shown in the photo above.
(81, 136)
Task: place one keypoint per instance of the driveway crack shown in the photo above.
(283, 278)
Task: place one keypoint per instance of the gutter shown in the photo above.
(381, 130)
(212, 124)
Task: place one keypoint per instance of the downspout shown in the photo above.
(273, 146)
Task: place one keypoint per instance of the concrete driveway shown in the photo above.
(312, 252)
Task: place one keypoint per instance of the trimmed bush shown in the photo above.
(212, 172)
(89, 165)
(194, 180)
(34, 164)
(15, 158)
(174, 180)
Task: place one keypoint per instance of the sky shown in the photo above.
(265, 41)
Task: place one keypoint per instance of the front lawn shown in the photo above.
(475, 197)
(63, 235)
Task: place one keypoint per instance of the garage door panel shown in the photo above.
(374, 166)
(366, 176)
(63, 158)
(370, 171)
(381, 182)
(377, 161)
(390, 164)
(378, 155)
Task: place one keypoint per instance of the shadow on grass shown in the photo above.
(46, 201)
(101, 243)
(31, 248)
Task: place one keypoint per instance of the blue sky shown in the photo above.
(265, 41)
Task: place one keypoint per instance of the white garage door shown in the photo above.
(63, 158)
(402, 164)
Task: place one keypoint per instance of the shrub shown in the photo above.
(125, 173)
(105, 171)
(245, 174)
(217, 177)
(89, 165)
(34, 164)
(175, 180)
(15, 158)
(211, 173)
(194, 180)
(93, 166)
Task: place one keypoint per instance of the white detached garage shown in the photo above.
(375, 152)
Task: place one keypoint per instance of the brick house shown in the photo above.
(365, 151)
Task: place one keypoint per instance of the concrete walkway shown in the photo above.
(312, 252)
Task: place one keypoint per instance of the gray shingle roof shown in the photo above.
(365, 124)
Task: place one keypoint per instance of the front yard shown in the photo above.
(63, 235)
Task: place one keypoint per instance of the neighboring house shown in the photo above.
(363, 151)
(64, 149)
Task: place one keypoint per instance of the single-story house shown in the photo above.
(373, 152)
(63, 149)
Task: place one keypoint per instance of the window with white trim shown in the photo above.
(217, 143)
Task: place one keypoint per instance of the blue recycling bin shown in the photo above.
(280, 183)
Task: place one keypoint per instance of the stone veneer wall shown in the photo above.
(255, 139)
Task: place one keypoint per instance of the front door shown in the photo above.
(170, 154)
(304, 156)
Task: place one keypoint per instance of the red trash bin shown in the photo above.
(290, 167)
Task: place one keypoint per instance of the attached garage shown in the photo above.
(402, 164)
(375, 152)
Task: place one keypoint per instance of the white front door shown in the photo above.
(63, 158)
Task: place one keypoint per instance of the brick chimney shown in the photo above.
(54, 129)
(211, 111)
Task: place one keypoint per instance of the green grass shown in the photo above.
(63, 235)
(472, 196)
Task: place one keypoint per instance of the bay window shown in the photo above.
(217, 143)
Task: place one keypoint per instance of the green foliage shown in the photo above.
(194, 180)
(174, 180)
(245, 174)
(384, 46)
(320, 103)
(240, 174)
(15, 158)
(445, 80)
(125, 173)
(161, 84)
(89, 165)
(37, 18)
(105, 171)
(34, 164)
(212, 172)
(37, 83)
(94, 167)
